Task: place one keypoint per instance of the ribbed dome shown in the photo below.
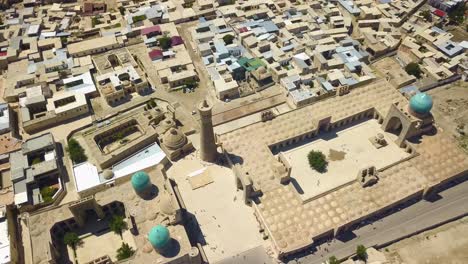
(140, 181)
(174, 139)
(421, 103)
(159, 236)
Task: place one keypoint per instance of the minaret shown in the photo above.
(208, 150)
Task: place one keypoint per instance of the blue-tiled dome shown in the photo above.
(159, 236)
(140, 181)
(421, 103)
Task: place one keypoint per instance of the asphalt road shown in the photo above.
(419, 216)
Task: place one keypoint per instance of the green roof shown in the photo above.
(140, 181)
(250, 64)
(159, 236)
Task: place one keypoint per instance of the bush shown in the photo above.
(413, 69)
(76, 152)
(47, 193)
(228, 39)
(165, 42)
(317, 161)
(361, 252)
(191, 84)
(95, 21)
(125, 251)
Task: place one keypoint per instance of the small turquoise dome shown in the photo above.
(159, 236)
(140, 181)
(421, 103)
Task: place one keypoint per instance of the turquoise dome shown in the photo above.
(140, 181)
(421, 103)
(159, 236)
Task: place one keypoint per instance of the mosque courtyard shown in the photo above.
(348, 149)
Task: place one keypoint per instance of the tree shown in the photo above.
(71, 239)
(190, 84)
(228, 39)
(413, 69)
(125, 251)
(361, 252)
(317, 161)
(426, 14)
(333, 260)
(122, 10)
(76, 152)
(117, 224)
(165, 42)
(457, 15)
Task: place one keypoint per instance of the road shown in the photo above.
(417, 217)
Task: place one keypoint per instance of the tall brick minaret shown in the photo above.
(208, 151)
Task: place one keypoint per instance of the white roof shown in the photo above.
(4, 242)
(139, 161)
(86, 85)
(21, 198)
(86, 176)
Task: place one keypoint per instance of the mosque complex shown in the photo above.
(382, 148)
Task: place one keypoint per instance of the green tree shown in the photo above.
(122, 10)
(361, 252)
(36, 161)
(190, 84)
(71, 239)
(117, 225)
(47, 193)
(333, 260)
(426, 14)
(228, 39)
(76, 152)
(125, 251)
(457, 15)
(317, 161)
(165, 42)
(413, 69)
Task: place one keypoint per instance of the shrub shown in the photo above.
(317, 161)
(125, 251)
(76, 152)
(122, 10)
(457, 15)
(413, 69)
(228, 39)
(426, 14)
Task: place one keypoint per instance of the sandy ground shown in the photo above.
(347, 151)
(228, 226)
(447, 244)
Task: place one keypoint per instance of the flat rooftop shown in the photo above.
(348, 150)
